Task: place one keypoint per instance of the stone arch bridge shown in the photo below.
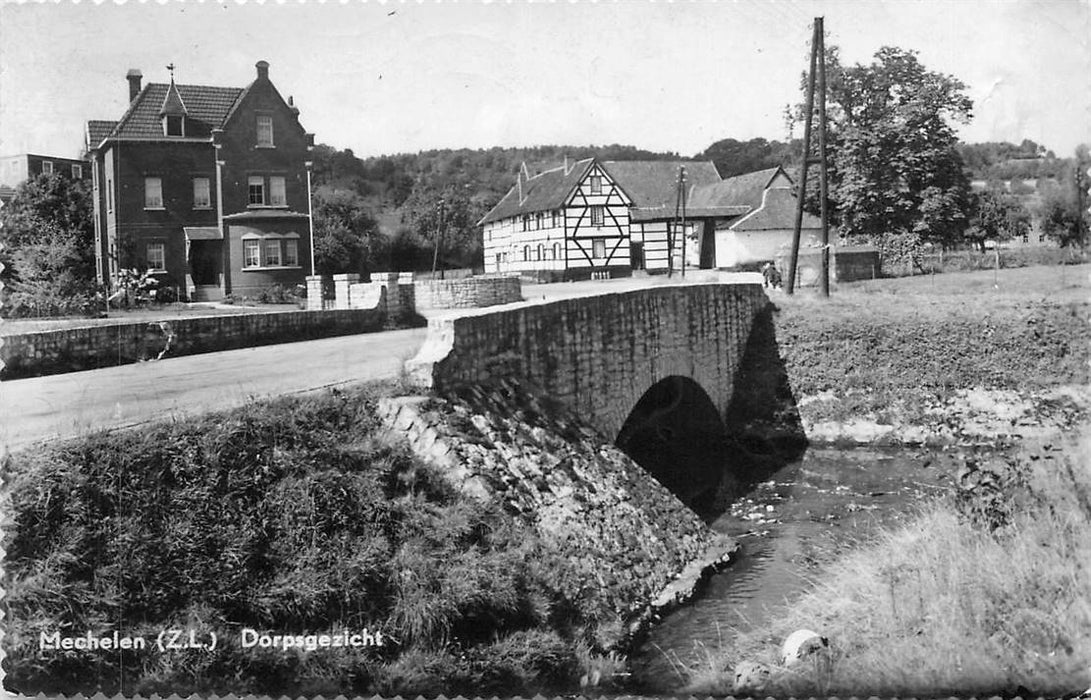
(600, 355)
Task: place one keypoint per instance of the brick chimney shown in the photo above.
(134, 76)
(263, 70)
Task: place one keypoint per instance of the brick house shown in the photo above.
(206, 187)
(16, 169)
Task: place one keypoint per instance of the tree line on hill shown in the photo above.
(898, 178)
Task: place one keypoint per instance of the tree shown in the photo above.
(451, 220)
(895, 172)
(346, 235)
(996, 217)
(732, 157)
(47, 235)
(1063, 211)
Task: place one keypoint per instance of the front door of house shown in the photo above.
(636, 255)
(205, 262)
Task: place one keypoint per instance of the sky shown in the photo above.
(384, 78)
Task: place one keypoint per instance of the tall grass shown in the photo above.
(952, 603)
(294, 516)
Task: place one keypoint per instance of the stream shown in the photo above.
(826, 502)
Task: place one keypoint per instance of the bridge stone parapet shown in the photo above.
(600, 353)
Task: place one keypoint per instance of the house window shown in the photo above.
(256, 188)
(526, 253)
(47, 166)
(596, 184)
(202, 195)
(265, 130)
(526, 222)
(556, 218)
(251, 254)
(597, 216)
(156, 255)
(109, 195)
(172, 125)
(598, 248)
(272, 253)
(291, 252)
(556, 251)
(276, 192)
(538, 221)
(153, 193)
(77, 172)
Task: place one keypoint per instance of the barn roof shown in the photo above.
(746, 189)
(777, 211)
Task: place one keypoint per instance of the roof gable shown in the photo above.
(747, 189)
(546, 190)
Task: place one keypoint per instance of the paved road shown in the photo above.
(66, 405)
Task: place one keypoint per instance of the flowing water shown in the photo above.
(827, 501)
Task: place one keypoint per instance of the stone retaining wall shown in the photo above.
(91, 347)
(626, 546)
(469, 292)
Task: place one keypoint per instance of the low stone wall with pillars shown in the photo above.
(468, 292)
(393, 292)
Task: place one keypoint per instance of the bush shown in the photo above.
(279, 294)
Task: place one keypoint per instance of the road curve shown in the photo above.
(67, 405)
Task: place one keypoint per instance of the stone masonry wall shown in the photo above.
(625, 545)
(598, 355)
(51, 352)
(466, 293)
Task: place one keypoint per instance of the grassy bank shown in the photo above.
(898, 351)
(987, 592)
(293, 517)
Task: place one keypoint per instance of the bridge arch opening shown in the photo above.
(676, 433)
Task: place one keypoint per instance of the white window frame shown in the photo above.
(198, 202)
(153, 186)
(77, 172)
(556, 251)
(274, 199)
(556, 218)
(598, 215)
(251, 182)
(596, 184)
(251, 246)
(598, 248)
(161, 247)
(271, 245)
(291, 252)
(181, 124)
(264, 127)
(47, 167)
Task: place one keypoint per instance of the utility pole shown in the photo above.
(678, 227)
(439, 237)
(818, 61)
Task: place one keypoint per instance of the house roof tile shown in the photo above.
(777, 211)
(97, 130)
(206, 107)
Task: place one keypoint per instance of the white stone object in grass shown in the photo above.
(800, 645)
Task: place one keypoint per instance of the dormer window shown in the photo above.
(174, 125)
(265, 130)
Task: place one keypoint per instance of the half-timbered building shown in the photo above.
(592, 219)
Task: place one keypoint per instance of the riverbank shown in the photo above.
(987, 590)
(955, 358)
